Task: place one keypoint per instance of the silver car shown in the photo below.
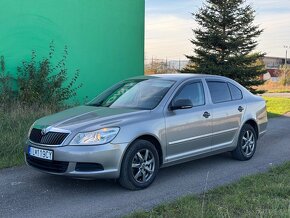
(144, 123)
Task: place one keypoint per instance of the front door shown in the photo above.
(188, 131)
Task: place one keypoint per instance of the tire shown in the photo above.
(247, 144)
(137, 172)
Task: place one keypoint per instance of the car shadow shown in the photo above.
(102, 186)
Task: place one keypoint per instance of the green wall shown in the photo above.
(105, 38)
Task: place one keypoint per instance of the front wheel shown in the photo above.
(140, 165)
(247, 144)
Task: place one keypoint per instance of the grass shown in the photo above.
(14, 125)
(277, 106)
(262, 195)
(279, 91)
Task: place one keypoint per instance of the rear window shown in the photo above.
(219, 91)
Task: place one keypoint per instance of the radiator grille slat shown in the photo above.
(50, 138)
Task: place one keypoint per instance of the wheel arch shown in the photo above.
(254, 124)
(154, 141)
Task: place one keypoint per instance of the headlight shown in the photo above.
(98, 137)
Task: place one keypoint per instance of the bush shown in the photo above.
(45, 83)
(38, 82)
(6, 93)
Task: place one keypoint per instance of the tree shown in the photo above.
(224, 43)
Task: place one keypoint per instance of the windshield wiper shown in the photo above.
(98, 104)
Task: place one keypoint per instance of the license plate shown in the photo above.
(40, 153)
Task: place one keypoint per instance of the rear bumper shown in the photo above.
(67, 158)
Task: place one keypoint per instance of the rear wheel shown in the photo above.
(247, 144)
(140, 165)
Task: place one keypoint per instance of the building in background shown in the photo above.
(272, 65)
(105, 39)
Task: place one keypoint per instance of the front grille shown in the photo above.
(46, 165)
(50, 138)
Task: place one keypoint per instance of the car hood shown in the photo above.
(86, 118)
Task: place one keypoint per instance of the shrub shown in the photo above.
(7, 94)
(42, 82)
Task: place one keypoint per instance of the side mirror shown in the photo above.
(181, 104)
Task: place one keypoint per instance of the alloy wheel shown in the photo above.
(248, 143)
(143, 166)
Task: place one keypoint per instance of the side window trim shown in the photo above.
(218, 81)
(179, 89)
(229, 83)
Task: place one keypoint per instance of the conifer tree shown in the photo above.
(224, 42)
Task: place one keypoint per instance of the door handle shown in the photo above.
(240, 108)
(206, 114)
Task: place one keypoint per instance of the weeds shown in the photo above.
(14, 125)
(43, 82)
(41, 88)
(6, 90)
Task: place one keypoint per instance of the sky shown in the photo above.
(169, 25)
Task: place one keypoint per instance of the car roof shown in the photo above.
(179, 76)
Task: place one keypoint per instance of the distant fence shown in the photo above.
(172, 64)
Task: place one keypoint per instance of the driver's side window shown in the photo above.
(194, 92)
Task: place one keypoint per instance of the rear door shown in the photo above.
(228, 108)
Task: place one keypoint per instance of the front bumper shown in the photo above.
(109, 156)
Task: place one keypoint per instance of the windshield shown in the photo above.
(136, 94)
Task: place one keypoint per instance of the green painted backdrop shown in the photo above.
(105, 38)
